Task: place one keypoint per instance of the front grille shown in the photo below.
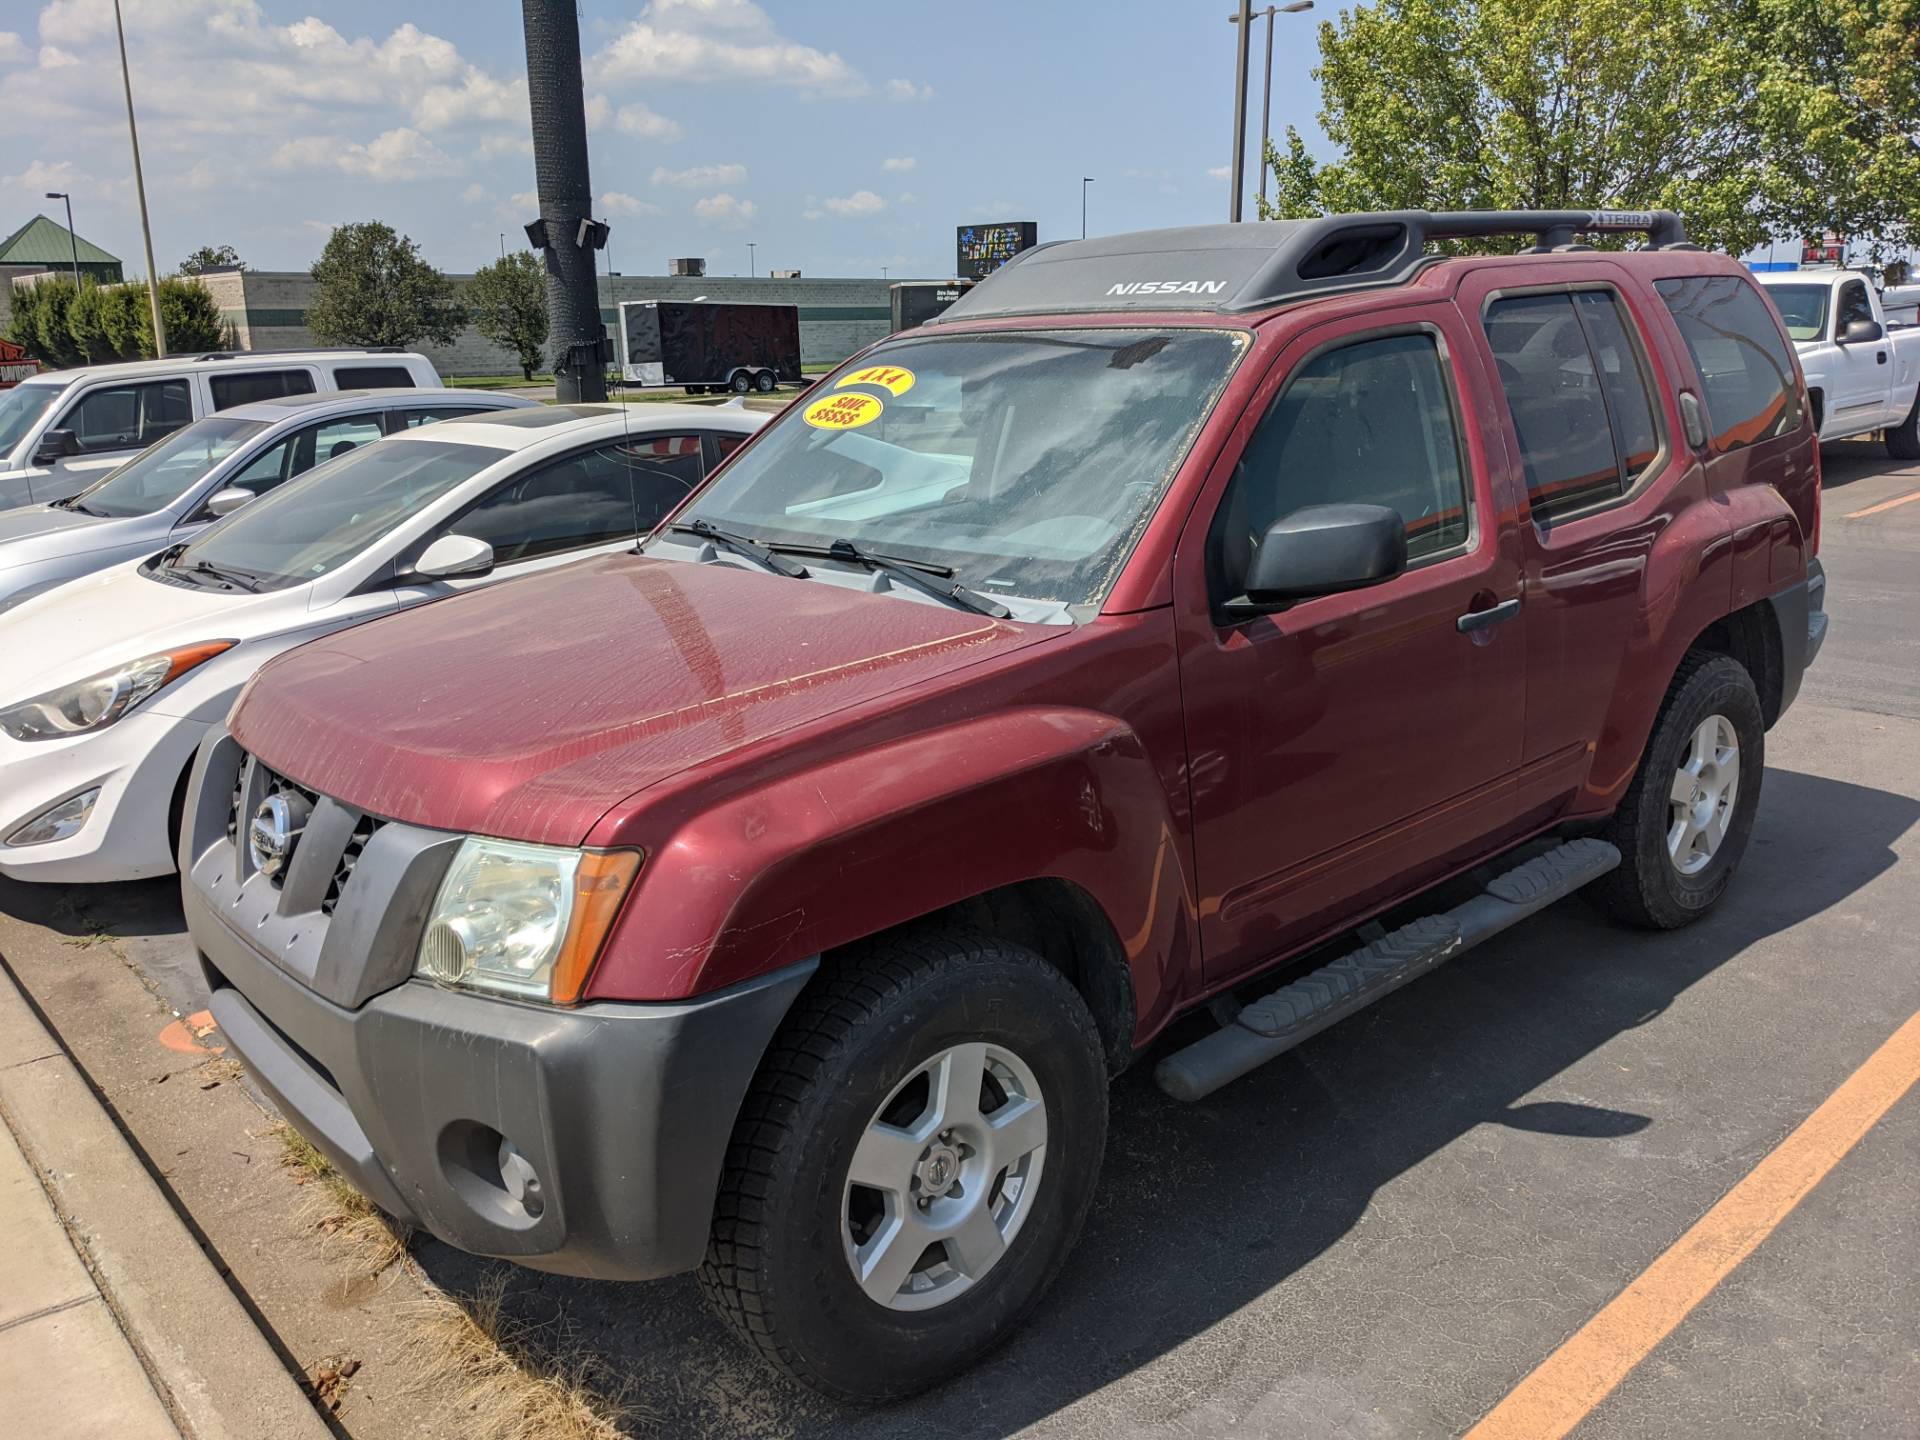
(342, 872)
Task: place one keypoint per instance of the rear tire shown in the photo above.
(1903, 440)
(1685, 820)
(741, 382)
(765, 381)
(973, 1069)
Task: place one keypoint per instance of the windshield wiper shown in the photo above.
(239, 579)
(920, 577)
(742, 545)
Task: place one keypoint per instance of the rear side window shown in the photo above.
(372, 377)
(584, 499)
(128, 417)
(1745, 370)
(408, 419)
(1368, 424)
(665, 470)
(1578, 394)
(245, 388)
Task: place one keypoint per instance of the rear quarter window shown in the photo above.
(252, 385)
(372, 377)
(1746, 373)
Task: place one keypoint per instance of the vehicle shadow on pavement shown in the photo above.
(1844, 461)
(1204, 1209)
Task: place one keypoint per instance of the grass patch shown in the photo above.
(495, 382)
(510, 1380)
(336, 1208)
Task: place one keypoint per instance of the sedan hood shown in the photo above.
(41, 532)
(101, 620)
(529, 709)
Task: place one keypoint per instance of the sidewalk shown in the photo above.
(59, 1342)
(114, 1321)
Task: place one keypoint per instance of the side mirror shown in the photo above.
(1862, 332)
(1322, 550)
(225, 502)
(56, 445)
(452, 557)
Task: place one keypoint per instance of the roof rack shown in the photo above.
(304, 350)
(1232, 269)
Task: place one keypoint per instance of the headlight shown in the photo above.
(99, 700)
(524, 920)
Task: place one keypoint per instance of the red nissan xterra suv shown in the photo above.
(1152, 631)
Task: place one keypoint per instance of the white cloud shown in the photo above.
(725, 211)
(909, 90)
(525, 202)
(899, 164)
(399, 154)
(478, 194)
(615, 203)
(638, 119)
(52, 57)
(40, 176)
(699, 177)
(719, 41)
(906, 197)
(13, 50)
(854, 206)
(1220, 172)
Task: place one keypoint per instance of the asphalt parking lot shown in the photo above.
(1387, 1231)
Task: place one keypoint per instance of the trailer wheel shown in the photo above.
(765, 381)
(741, 382)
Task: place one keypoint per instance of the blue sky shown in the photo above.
(839, 138)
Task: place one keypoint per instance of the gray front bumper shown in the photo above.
(623, 1111)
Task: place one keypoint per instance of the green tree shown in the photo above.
(87, 325)
(192, 317)
(372, 288)
(1467, 104)
(508, 305)
(49, 340)
(210, 257)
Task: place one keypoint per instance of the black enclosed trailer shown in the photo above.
(704, 345)
(917, 301)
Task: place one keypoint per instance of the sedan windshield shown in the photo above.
(21, 408)
(315, 524)
(1026, 463)
(165, 471)
(1802, 307)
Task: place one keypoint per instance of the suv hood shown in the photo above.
(43, 532)
(529, 709)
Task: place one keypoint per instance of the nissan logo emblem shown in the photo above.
(271, 835)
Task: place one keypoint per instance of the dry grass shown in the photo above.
(335, 1208)
(511, 1380)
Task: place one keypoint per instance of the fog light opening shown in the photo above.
(491, 1175)
(58, 822)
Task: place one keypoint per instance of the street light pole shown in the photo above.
(1237, 170)
(140, 190)
(1243, 20)
(73, 244)
(753, 271)
(1085, 181)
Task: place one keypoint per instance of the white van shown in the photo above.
(61, 431)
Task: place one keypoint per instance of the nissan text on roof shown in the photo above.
(1862, 374)
(778, 902)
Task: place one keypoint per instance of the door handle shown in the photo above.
(1492, 615)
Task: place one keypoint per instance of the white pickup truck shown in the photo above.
(1863, 375)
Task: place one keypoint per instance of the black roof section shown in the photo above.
(1232, 269)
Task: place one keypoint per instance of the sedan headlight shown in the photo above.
(99, 700)
(523, 920)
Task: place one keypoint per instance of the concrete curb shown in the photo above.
(205, 1354)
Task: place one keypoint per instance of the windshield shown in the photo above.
(163, 472)
(1026, 462)
(1802, 307)
(21, 408)
(315, 524)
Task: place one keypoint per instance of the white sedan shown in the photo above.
(107, 684)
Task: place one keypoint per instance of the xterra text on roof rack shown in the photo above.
(778, 901)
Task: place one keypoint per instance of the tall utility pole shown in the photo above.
(565, 232)
(1085, 181)
(753, 271)
(140, 190)
(1266, 96)
(1238, 170)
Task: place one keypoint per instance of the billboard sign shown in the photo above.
(1829, 249)
(982, 249)
(15, 365)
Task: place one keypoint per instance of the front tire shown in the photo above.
(911, 1166)
(1685, 820)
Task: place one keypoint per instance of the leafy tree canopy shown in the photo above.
(372, 288)
(99, 324)
(508, 304)
(210, 257)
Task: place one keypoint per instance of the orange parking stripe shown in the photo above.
(1572, 1380)
(1884, 505)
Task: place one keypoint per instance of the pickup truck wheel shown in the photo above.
(1903, 440)
(911, 1166)
(1684, 822)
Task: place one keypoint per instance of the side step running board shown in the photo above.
(1295, 1012)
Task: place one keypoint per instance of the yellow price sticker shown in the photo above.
(888, 377)
(843, 412)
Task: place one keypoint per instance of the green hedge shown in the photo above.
(97, 324)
